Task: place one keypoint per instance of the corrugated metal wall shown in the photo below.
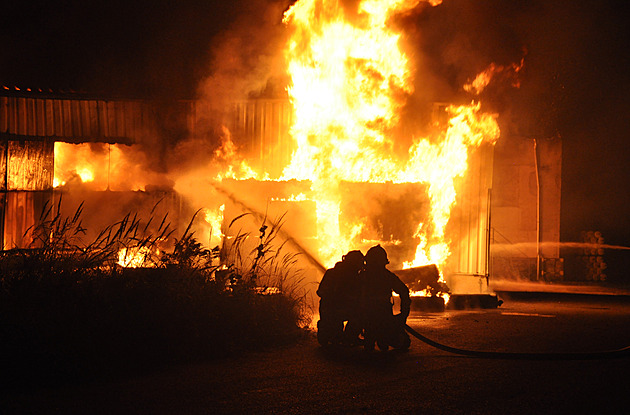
(27, 170)
(30, 165)
(261, 126)
(22, 209)
(469, 219)
(75, 120)
(29, 126)
(526, 206)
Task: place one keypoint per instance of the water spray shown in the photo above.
(608, 354)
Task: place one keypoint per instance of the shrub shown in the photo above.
(67, 308)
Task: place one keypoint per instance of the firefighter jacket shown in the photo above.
(376, 293)
(339, 288)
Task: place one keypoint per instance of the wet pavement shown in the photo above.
(305, 379)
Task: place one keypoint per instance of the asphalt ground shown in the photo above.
(306, 379)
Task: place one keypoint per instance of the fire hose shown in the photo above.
(608, 354)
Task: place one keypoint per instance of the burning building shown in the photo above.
(80, 149)
(340, 155)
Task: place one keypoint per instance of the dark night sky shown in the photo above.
(575, 80)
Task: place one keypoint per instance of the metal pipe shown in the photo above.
(537, 210)
(488, 224)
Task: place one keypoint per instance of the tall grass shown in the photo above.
(67, 308)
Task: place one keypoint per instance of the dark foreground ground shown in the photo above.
(306, 379)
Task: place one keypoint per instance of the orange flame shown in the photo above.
(74, 162)
(236, 166)
(482, 79)
(348, 82)
(100, 167)
(214, 218)
(136, 257)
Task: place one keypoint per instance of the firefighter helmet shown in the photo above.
(355, 258)
(376, 255)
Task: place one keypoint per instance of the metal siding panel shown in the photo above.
(9, 221)
(75, 119)
(66, 112)
(102, 118)
(93, 118)
(21, 116)
(19, 169)
(128, 117)
(4, 114)
(30, 117)
(13, 127)
(20, 216)
(136, 125)
(84, 127)
(57, 118)
(111, 119)
(86, 121)
(3, 164)
(145, 120)
(89, 120)
(40, 104)
(30, 165)
(115, 119)
(47, 165)
(120, 118)
(84, 116)
(50, 118)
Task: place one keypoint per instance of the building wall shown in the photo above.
(526, 209)
(261, 127)
(525, 180)
(30, 124)
(74, 119)
(26, 169)
(468, 227)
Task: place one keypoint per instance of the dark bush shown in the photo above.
(69, 312)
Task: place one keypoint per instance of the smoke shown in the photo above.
(443, 43)
(245, 61)
(574, 82)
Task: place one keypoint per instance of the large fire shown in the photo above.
(99, 166)
(349, 81)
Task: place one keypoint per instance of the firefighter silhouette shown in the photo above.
(339, 292)
(380, 324)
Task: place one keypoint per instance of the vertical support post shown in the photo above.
(5, 193)
(488, 230)
(537, 210)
